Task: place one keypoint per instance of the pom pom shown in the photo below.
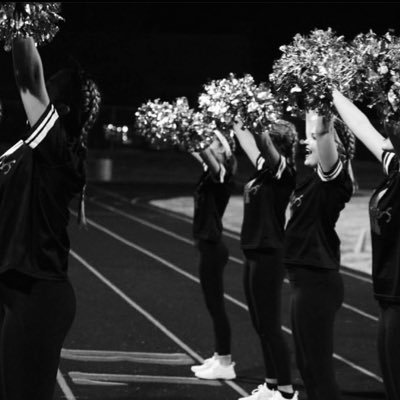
(156, 122)
(195, 132)
(232, 97)
(37, 20)
(174, 124)
(224, 99)
(262, 109)
(376, 84)
(309, 68)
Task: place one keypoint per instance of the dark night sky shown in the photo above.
(138, 51)
(142, 50)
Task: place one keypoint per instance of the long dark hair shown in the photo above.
(77, 99)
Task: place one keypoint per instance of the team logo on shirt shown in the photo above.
(378, 215)
(6, 165)
(297, 201)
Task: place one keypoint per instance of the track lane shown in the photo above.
(106, 320)
(361, 298)
(131, 198)
(186, 240)
(167, 250)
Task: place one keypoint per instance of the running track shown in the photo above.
(141, 320)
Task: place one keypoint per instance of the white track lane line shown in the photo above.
(195, 279)
(92, 378)
(189, 221)
(64, 386)
(126, 356)
(191, 242)
(141, 310)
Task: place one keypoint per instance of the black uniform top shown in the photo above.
(266, 197)
(384, 210)
(311, 238)
(211, 197)
(38, 178)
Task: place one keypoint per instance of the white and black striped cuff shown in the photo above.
(387, 158)
(222, 173)
(332, 174)
(42, 127)
(260, 162)
(281, 168)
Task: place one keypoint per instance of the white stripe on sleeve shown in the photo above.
(13, 148)
(281, 168)
(222, 173)
(260, 162)
(331, 175)
(387, 159)
(43, 129)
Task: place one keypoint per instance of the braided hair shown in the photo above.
(284, 136)
(345, 140)
(91, 101)
(73, 88)
(346, 145)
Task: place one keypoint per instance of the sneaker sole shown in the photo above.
(216, 378)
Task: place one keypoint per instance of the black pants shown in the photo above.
(317, 295)
(213, 258)
(389, 348)
(263, 278)
(37, 317)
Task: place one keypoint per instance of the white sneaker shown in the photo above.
(261, 393)
(278, 396)
(216, 370)
(205, 364)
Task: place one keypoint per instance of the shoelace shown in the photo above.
(259, 388)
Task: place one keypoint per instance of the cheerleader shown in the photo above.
(312, 254)
(210, 200)
(384, 210)
(266, 197)
(39, 175)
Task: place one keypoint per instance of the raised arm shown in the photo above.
(207, 157)
(394, 143)
(359, 124)
(28, 71)
(212, 163)
(319, 126)
(196, 155)
(254, 149)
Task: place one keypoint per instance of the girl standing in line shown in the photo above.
(39, 176)
(312, 254)
(210, 200)
(384, 209)
(266, 197)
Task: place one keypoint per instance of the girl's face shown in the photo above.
(312, 156)
(218, 151)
